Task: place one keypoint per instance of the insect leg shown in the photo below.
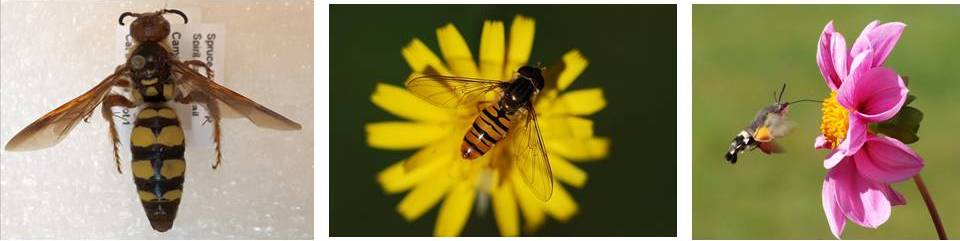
(200, 64)
(214, 110)
(108, 102)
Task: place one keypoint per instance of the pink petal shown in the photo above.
(887, 160)
(861, 200)
(863, 42)
(833, 158)
(825, 57)
(895, 197)
(881, 40)
(880, 94)
(857, 68)
(856, 136)
(884, 38)
(838, 47)
(822, 143)
(835, 217)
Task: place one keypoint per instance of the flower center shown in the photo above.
(835, 121)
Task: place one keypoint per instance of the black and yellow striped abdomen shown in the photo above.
(489, 128)
(157, 145)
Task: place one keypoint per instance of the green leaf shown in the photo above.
(903, 126)
(910, 99)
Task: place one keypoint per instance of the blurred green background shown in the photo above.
(632, 54)
(743, 53)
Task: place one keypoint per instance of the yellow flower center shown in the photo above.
(835, 121)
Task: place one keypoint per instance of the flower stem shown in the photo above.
(930, 207)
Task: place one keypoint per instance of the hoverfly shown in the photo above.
(156, 80)
(511, 117)
(769, 124)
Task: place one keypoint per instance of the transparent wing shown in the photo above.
(778, 124)
(530, 156)
(256, 113)
(53, 127)
(451, 91)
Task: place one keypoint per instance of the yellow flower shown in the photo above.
(437, 172)
(835, 121)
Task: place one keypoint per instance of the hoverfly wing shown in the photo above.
(54, 126)
(451, 91)
(256, 113)
(530, 156)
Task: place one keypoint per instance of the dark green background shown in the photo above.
(742, 53)
(632, 54)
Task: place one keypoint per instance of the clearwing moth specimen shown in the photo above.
(155, 79)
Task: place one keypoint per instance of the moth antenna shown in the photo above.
(782, 89)
(177, 12)
(127, 14)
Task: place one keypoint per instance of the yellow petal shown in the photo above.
(566, 172)
(402, 103)
(554, 127)
(530, 206)
(561, 206)
(505, 210)
(521, 42)
(441, 152)
(419, 57)
(455, 210)
(492, 49)
(585, 149)
(424, 196)
(456, 52)
(573, 64)
(396, 178)
(578, 102)
(396, 135)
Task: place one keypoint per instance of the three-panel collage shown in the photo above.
(313, 120)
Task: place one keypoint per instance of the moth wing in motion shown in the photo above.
(778, 124)
(530, 157)
(54, 126)
(770, 147)
(774, 126)
(451, 91)
(256, 113)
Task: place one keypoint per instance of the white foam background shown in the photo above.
(51, 52)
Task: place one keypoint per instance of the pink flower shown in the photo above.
(858, 187)
(870, 92)
(862, 165)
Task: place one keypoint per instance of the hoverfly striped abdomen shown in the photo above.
(490, 127)
(158, 165)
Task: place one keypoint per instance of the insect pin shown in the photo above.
(770, 124)
(156, 80)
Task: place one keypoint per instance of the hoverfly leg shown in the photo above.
(214, 110)
(108, 102)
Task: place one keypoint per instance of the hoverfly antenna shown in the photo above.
(128, 14)
(177, 12)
